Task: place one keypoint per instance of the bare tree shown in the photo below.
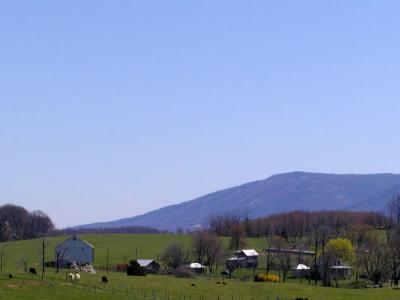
(174, 255)
(272, 242)
(237, 235)
(284, 258)
(207, 248)
(374, 258)
(394, 255)
(60, 252)
(5, 231)
(393, 208)
(2, 253)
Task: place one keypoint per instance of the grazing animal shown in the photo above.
(218, 282)
(77, 277)
(104, 279)
(224, 283)
(32, 271)
(71, 276)
(193, 284)
(10, 275)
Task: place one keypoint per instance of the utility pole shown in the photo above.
(43, 259)
(108, 257)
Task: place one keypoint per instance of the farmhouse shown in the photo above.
(243, 259)
(74, 250)
(149, 265)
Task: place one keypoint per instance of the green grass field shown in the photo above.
(123, 247)
(160, 287)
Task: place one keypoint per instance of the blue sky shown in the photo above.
(109, 109)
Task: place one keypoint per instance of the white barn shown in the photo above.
(74, 250)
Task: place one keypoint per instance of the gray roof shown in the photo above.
(340, 267)
(145, 262)
(75, 237)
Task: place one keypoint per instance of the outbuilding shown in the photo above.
(247, 258)
(197, 267)
(149, 265)
(301, 270)
(340, 270)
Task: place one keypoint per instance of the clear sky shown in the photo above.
(109, 109)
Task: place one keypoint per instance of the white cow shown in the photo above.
(77, 277)
(71, 276)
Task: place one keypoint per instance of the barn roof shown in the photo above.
(250, 252)
(74, 237)
(145, 262)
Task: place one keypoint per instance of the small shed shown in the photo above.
(340, 270)
(150, 265)
(301, 270)
(197, 267)
(74, 250)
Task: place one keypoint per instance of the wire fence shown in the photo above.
(158, 294)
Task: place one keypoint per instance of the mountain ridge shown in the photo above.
(278, 193)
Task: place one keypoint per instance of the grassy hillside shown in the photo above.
(120, 286)
(122, 247)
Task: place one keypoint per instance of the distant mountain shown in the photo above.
(278, 193)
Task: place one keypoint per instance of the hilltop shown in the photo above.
(278, 193)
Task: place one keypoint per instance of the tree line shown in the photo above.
(16, 223)
(123, 229)
(368, 241)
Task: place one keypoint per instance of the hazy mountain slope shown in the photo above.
(278, 193)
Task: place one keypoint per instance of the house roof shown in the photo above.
(75, 237)
(294, 251)
(340, 267)
(302, 267)
(250, 252)
(237, 258)
(145, 262)
(196, 266)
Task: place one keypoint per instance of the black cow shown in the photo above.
(10, 275)
(104, 279)
(32, 271)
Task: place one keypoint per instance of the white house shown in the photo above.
(74, 250)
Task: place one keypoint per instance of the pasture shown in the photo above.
(160, 287)
(122, 247)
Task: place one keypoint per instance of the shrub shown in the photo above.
(183, 272)
(266, 277)
(134, 269)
